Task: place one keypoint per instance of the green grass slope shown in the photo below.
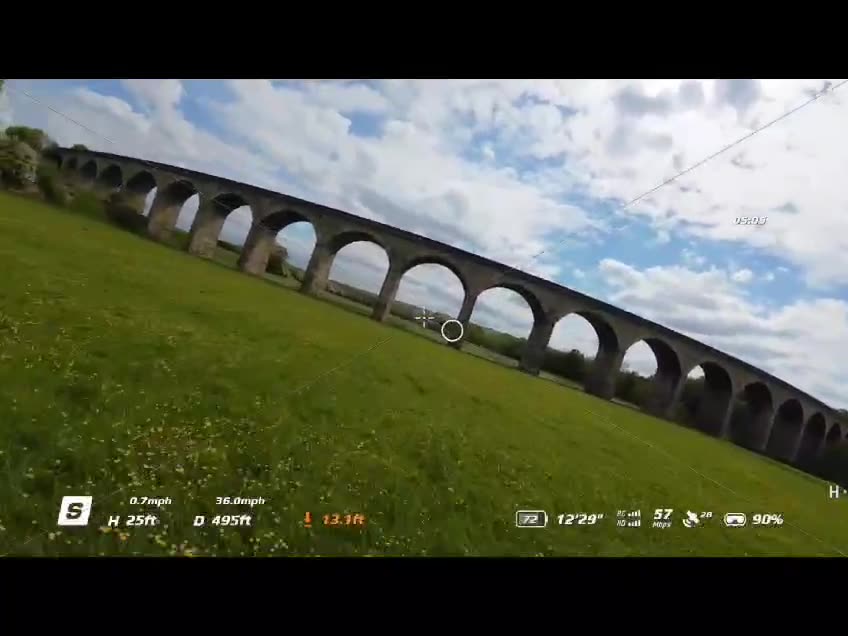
(129, 369)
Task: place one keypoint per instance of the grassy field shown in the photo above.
(129, 369)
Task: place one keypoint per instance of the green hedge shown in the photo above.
(121, 213)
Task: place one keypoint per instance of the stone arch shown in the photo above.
(256, 250)
(436, 259)
(600, 375)
(363, 273)
(812, 440)
(341, 240)
(664, 381)
(88, 172)
(751, 416)
(167, 205)
(608, 340)
(209, 220)
(529, 297)
(705, 401)
(70, 164)
(834, 435)
(445, 291)
(787, 429)
(279, 219)
(111, 178)
(139, 191)
(140, 183)
(515, 312)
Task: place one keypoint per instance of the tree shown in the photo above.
(79, 147)
(571, 365)
(35, 138)
(18, 163)
(1, 85)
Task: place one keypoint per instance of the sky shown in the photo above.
(535, 174)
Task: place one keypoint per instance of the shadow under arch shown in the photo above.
(705, 402)
(111, 178)
(834, 435)
(751, 417)
(812, 440)
(664, 381)
(786, 430)
(88, 172)
(601, 375)
(140, 183)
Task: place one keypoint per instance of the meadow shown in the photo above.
(131, 369)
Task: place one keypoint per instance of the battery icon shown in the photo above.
(531, 519)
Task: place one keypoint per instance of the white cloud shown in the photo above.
(692, 259)
(161, 95)
(663, 237)
(742, 276)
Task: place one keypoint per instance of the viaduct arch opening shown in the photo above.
(360, 264)
(167, 206)
(225, 217)
(111, 178)
(434, 283)
(705, 398)
(70, 165)
(502, 322)
(834, 435)
(140, 191)
(598, 373)
(650, 373)
(812, 441)
(786, 431)
(286, 227)
(572, 349)
(88, 172)
(751, 417)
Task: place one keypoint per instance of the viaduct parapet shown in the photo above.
(779, 419)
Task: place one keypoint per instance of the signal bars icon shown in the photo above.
(629, 518)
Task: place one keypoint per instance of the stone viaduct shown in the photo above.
(778, 420)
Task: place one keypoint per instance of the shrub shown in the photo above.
(570, 365)
(51, 185)
(121, 213)
(35, 138)
(18, 163)
(277, 261)
(224, 245)
(87, 203)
